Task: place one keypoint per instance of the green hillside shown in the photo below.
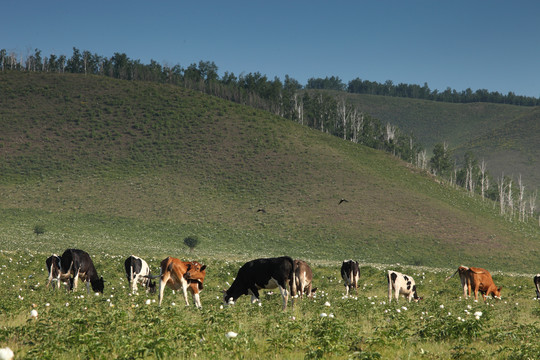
(512, 149)
(504, 135)
(103, 164)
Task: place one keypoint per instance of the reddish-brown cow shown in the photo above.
(177, 274)
(477, 280)
(481, 280)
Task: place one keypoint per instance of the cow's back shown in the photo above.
(261, 270)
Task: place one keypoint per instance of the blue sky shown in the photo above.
(493, 45)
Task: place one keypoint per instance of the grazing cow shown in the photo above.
(401, 284)
(137, 270)
(463, 276)
(77, 263)
(303, 278)
(481, 281)
(350, 272)
(185, 275)
(54, 268)
(259, 274)
(536, 280)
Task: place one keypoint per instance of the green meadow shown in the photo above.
(118, 168)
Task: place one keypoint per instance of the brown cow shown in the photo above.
(479, 280)
(177, 274)
(303, 278)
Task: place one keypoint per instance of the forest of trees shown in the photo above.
(316, 109)
(388, 88)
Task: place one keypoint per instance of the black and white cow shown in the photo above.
(54, 268)
(269, 273)
(536, 280)
(350, 273)
(137, 270)
(401, 284)
(78, 264)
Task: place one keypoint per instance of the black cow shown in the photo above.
(137, 270)
(536, 280)
(55, 271)
(263, 274)
(77, 263)
(350, 273)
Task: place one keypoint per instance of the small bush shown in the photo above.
(191, 242)
(39, 229)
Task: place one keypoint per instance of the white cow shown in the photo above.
(401, 284)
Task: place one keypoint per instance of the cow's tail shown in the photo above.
(451, 276)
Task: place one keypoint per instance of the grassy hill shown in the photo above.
(105, 164)
(504, 135)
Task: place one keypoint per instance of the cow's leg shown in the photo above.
(88, 286)
(196, 299)
(537, 285)
(254, 294)
(75, 281)
(301, 287)
(184, 289)
(163, 278)
(134, 280)
(464, 286)
(284, 296)
(389, 291)
(51, 277)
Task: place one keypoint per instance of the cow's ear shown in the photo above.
(203, 267)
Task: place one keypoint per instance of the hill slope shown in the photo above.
(105, 163)
(501, 134)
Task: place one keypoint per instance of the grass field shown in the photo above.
(361, 326)
(118, 168)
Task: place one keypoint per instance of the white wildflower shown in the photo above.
(6, 354)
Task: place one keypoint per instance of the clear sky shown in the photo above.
(493, 45)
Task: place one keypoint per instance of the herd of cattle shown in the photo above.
(292, 277)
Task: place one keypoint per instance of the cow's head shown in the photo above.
(416, 298)
(195, 271)
(98, 285)
(152, 286)
(497, 292)
(227, 298)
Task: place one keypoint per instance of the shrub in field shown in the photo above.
(39, 229)
(191, 242)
